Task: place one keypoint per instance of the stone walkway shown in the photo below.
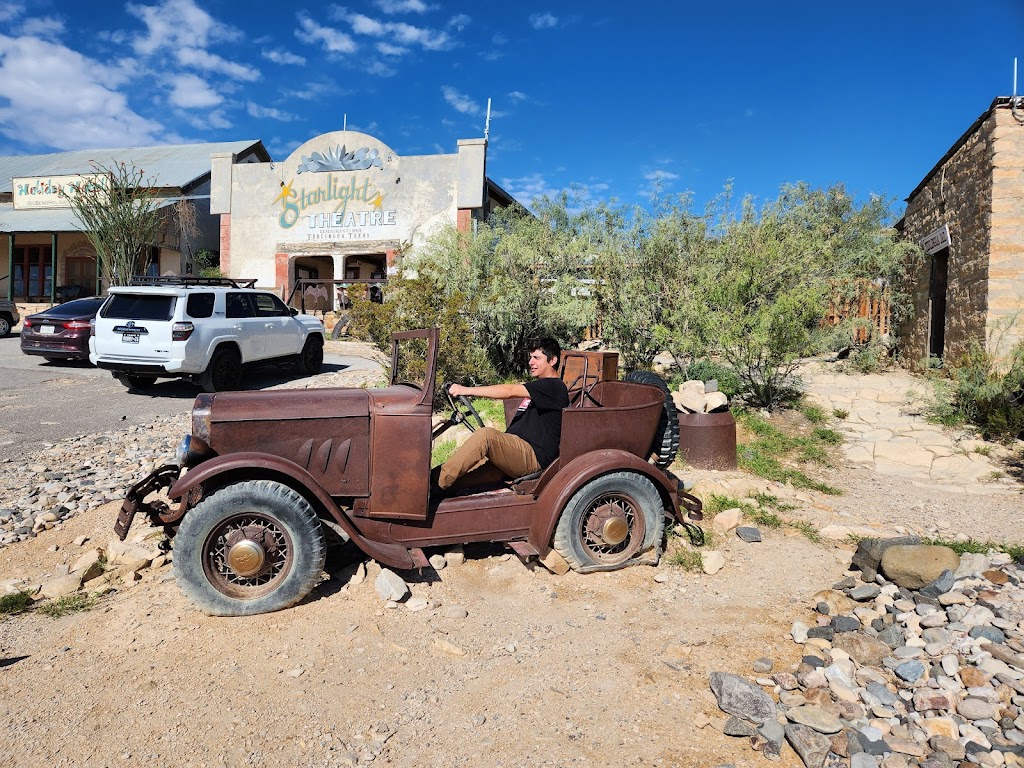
(885, 428)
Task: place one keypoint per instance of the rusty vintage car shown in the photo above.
(266, 477)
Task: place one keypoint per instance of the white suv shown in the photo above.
(203, 329)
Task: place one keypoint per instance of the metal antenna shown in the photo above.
(1014, 78)
(344, 121)
(487, 122)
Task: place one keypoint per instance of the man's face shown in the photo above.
(540, 366)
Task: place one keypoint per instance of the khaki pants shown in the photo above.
(489, 455)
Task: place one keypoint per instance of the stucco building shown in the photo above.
(968, 215)
(42, 247)
(340, 208)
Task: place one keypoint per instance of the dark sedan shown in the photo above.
(61, 332)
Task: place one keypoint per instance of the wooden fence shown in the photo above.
(869, 309)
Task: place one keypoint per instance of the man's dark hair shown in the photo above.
(549, 347)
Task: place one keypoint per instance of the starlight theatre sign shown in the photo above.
(53, 191)
(340, 204)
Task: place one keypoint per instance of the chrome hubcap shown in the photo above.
(246, 558)
(614, 531)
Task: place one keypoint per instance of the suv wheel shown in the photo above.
(249, 547)
(312, 358)
(224, 373)
(136, 382)
(5, 326)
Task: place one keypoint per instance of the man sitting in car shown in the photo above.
(531, 441)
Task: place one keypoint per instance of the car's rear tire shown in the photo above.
(666, 440)
(224, 373)
(132, 382)
(609, 521)
(250, 547)
(5, 326)
(311, 360)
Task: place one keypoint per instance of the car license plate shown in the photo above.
(129, 338)
(47, 329)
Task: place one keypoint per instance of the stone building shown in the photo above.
(968, 215)
(338, 210)
(44, 253)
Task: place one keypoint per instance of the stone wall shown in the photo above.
(1005, 319)
(959, 193)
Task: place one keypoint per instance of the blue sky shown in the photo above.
(611, 98)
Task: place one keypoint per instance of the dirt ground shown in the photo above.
(597, 670)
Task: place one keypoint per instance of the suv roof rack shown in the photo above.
(186, 280)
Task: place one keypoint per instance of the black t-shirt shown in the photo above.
(538, 420)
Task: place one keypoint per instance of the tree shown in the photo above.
(121, 219)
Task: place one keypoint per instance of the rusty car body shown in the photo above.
(267, 474)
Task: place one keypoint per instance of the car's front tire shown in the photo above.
(311, 360)
(250, 547)
(5, 326)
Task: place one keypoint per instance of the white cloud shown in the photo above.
(543, 20)
(190, 91)
(388, 49)
(177, 24)
(204, 121)
(255, 110)
(459, 21)
(211, 62)
(10, 10)
(392, 7)
(661, 175)
(332, 39)
(526, 189)
(460, 101)
(282, 57)
(381, 69)
(82, 107)
(46, 27)
(517, 96)
(398, 33)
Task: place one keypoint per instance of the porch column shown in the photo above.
(10, 266)
(53, 267)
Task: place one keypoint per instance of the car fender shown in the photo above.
(218, 338)
(582, 469)
(252, 465)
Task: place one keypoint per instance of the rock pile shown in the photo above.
(79, 474)
(97, 569)
(697, 396)
(918, 663)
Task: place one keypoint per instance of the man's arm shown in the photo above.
(493, 391)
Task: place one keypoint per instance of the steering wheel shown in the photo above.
(460, 416)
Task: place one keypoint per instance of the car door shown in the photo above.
(246, 327)
(283, 332)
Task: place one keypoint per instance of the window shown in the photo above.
(268, 305)
(75, 308)
(238, 305)
(199, 305)
(32, 271)
(133, 306)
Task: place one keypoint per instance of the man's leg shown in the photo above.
(508, 453)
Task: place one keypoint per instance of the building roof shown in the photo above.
(50, 219)
(998, 101)
(175, 166)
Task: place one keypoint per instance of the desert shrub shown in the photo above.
(989, 392)
(706, 370)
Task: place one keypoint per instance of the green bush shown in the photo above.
(706, 370)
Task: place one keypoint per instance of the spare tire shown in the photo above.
(666, 439)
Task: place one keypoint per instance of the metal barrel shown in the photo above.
(708, 440)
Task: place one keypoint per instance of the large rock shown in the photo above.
(869, 553)
(816, 718)
(865, 650)
(914, 566)
(88, 566)
(390, 586)
(811, 746)
(715, 401)
(726, 520)
(61, 586)
(742, 698)
(688, 401)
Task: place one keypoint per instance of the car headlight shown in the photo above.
(191, 451)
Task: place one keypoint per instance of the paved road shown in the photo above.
(43, 402)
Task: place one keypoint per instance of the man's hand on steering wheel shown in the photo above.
(462, 408)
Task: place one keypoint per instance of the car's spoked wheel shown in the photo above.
(246, 555)
(249, 547)
(610, 521)
(612, 529)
